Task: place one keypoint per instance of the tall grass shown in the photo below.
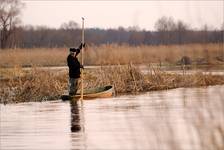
(130, 79)
(112, 54)
(34, 85)
(116, 54)
(33, 57)
(38, 85)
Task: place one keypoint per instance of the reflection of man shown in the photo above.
(75, 120)
(74, 69)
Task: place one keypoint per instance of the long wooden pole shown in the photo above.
(82, 58)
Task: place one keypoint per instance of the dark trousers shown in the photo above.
(73, 85)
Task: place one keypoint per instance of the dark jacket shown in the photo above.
(74, 66)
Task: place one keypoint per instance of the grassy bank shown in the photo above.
(41, 85)
(114, 54)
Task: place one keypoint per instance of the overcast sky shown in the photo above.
(111, 14)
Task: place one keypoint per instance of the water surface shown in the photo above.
(184, 118)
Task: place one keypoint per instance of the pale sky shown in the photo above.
(112, 14)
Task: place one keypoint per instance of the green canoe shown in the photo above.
(88, 94)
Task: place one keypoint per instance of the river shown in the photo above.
(181, 119)
(205, 69)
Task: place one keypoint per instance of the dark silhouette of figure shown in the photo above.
(75, 118)
(74, 69)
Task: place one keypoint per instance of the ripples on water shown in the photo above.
(174, 119)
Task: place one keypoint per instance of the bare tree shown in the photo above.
(222, 26)
(9, 18)
(181, 26)
(205, 30)
(165, 24)
(181, 29)
(70, 25)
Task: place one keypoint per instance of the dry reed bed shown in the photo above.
(115, 54)
(33, 57)
(124, 54)
(40, 85)
(129, 78)
(35, 85)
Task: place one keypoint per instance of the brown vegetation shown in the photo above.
(33, 57)
(32, 85)
(128, 79)
(115, 54)
(38, 85)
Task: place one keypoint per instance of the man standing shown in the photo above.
(74, 69)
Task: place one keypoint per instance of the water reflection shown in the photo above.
(75, 117)
(178, 119)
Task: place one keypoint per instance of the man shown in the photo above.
(74, 69)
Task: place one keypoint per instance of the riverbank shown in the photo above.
(40, 85)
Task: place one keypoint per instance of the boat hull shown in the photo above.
(100, 92)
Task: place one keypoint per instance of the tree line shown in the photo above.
(48, 37)
(168, 31)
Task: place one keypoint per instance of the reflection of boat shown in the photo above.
(99, 92)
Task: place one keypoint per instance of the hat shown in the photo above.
(72, 49)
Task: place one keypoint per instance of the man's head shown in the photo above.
(72, 51)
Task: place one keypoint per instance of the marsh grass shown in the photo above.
(143, 54)
(34, 85)
(39, 85)
(130, 79)
(113, 54)
(33, 57)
